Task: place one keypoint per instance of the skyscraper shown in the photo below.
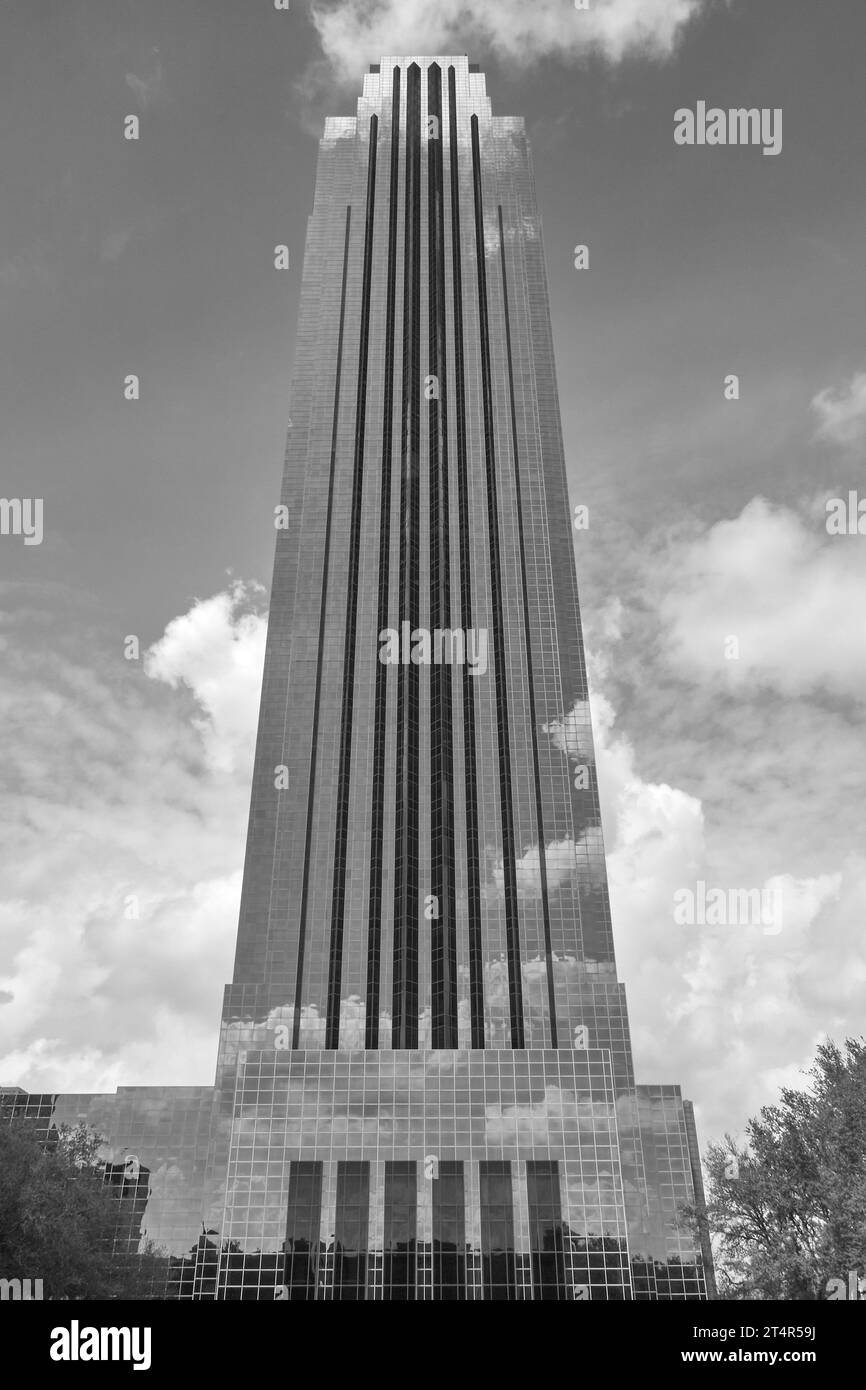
(425, 1046)
(425, 1085)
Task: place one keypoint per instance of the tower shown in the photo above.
(425, 1086)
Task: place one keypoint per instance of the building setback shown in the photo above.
(425, 1085)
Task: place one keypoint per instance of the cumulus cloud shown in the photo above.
(354, 33)
(723, 1010)
(788, 594)
(217, 650)
(127, 790)
(842, 413)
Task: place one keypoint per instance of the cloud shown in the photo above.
(790, 595)
(354, 33)
(842, 413)
(217, 651)
(126, 798)
(726, 1010)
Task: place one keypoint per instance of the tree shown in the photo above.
(61, 1220)
(787, 1211)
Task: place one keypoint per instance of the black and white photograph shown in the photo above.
(433, 666)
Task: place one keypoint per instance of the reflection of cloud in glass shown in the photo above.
(549, 1120)
(566, 862)
(559, 862)
(572, 733)
(592, 1202)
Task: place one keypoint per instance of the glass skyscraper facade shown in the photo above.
(425, 1086)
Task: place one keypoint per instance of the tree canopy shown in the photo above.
(63, 1222)
(787, 1210)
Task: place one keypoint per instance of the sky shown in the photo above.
(124, 783)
